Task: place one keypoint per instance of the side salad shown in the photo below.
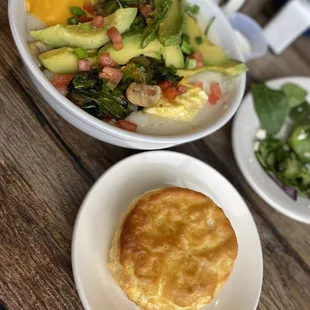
(282, 143)
(115, 58)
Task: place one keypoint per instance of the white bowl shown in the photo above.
(98, 129)
(111, 195)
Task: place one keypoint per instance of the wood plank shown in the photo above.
(41, 189)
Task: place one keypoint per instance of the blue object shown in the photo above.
(279, 5)
(253, 32)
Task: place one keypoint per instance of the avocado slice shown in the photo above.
(231, 68)
(85, 35)
(212, 54)
(132, 48)
(171, 28)
(173, 56)
(63, 60)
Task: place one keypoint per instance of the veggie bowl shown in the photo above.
(137, 74)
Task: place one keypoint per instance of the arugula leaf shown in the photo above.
(300, 143)
(301, 114)
(271, 107)
(295, 94)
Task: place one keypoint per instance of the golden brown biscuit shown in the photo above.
(174, 249)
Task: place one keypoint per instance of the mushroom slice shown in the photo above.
(143, 95)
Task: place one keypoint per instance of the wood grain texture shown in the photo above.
(47, 166)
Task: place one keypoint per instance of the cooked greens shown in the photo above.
(162, 73)
(89, 92)
(285, 159)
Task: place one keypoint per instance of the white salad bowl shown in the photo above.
(220, 33)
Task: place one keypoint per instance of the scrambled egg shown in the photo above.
(185, 107)
(52, 12)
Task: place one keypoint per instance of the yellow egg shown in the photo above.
(52, 12)
(185, 107)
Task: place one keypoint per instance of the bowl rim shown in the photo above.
(104, 127)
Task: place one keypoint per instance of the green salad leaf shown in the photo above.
(295, 94)
(301, 115)
(300, 143)
(281, 162)
(271, 107)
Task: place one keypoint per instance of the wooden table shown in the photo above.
(47, 166)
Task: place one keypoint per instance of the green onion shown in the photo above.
(198, 40)
(73, 20)
(81, 52)
(76, 11)
(195, 9)
(209, 25)
(190, 63)
(186, 46)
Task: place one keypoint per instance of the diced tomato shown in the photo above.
(84, 19)
(164, 85)
(106, 60)
(215, 93)
(171, 93)
(197, 55)
(83, 65)
(111, 74)
(198, 84)
(181, 89)
(146, 10)
(126, 125)
(89, 7)
(116, 38)
(98, 22)
(199, 64)
(62, 80)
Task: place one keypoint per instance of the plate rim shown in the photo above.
(77, 280)
(245, 172)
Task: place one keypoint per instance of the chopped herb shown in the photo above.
(73, 20)
(195, 9)
(198, 40)
(81, 52)
(186, 46)
(190, 63)
(209, 25)
(191, 9)
(76, 11)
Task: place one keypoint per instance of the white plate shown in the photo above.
(244, 129)
(111, 195)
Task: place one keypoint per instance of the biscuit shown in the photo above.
(174, 249)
